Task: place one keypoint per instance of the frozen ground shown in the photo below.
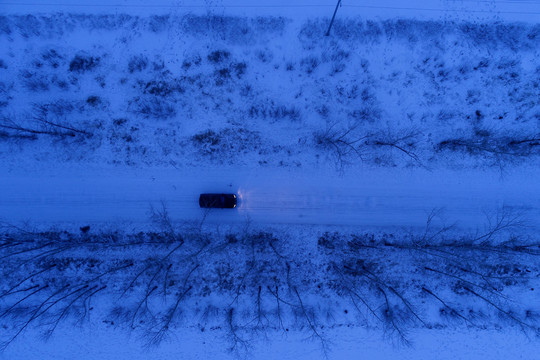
(350, 342)
(267, 92)
(353, 155)
(227, 290)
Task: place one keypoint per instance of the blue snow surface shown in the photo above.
(386, 178)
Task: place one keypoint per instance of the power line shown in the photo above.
(444, 10)
(499, 1)
(288, 6)
(167, 6)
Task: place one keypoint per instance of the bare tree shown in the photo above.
(343, 142)
(310, 319)
(505, 220)
(453, 312)
(405, 142)
(238, 344)
(163, 325)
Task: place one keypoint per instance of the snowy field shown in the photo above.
(387, 178)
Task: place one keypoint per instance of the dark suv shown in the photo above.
(219, 201)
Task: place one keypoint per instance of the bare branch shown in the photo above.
(311, 323)
(27, 278)
(452, 310)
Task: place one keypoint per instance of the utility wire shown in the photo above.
(289, 6)
(443, 10)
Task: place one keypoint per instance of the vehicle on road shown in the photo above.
(217, 201)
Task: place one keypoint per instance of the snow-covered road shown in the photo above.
(365, 199)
